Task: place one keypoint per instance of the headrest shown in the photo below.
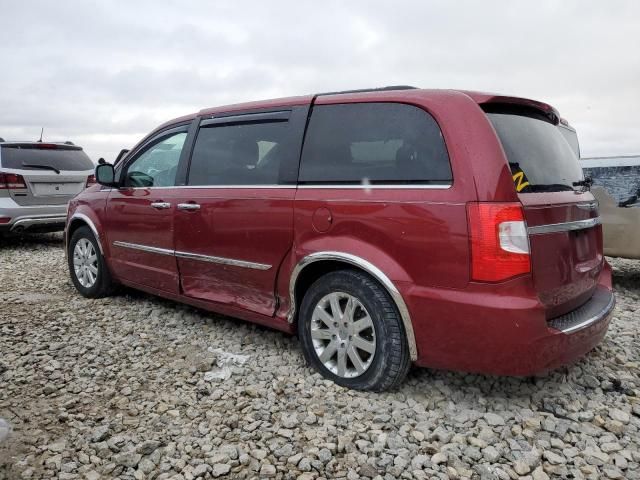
(245, 152)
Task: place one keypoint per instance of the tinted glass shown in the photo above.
(246, 154)
(62, 159)
(377, 143)
(572, 139)
(540, 158)
(157, 165)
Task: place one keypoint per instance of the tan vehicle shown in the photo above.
(620, 220)
(621, 226)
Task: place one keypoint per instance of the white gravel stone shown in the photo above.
(5, 429)
(494, 419)
(220, 469)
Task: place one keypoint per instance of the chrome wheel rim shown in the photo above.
(343, 335)
(85, 263)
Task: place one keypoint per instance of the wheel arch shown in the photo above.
(78, 220)
(314, 265)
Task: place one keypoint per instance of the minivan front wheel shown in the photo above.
(87, 267)
(352, 333)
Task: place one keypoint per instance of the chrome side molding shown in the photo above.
(371, 269)
(564, 227)
(193, 256)
(223, 260)
(144, 248)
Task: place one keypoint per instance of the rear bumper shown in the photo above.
(505, 334)
(41, 218)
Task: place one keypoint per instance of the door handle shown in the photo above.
(160, 205)
(188, 206)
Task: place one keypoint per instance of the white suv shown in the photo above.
(36, 182)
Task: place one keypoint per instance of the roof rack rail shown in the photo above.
(364, 90)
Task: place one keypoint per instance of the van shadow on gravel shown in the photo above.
(32, 240)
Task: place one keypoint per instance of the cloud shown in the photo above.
(103, 74)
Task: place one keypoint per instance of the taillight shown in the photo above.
(91, 180)
(499, 241)
(11, 181)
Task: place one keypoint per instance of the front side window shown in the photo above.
(374, 143)
(158, 164)
(240, 154)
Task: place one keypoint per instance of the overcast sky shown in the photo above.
(103, 74)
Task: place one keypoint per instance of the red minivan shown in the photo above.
(387, 227)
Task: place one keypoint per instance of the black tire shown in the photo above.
(103, 285)
(391, 359)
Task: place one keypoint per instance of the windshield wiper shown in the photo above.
(550, 187)
(585, 184)
(42, 167)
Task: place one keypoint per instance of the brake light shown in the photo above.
(5, 219)
(11, 181)
(91, 180)
(499, 241)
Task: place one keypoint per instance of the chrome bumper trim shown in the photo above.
(30, 221)
(599, 307)
(564, 227)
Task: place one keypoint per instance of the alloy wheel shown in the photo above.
(343, 335)
(85, 263)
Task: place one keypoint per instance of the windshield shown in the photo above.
(540, 158)
(30, 158)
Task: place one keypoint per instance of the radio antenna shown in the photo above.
(41, 132)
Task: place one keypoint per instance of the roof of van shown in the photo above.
(372, 93)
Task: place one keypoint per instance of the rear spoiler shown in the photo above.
(41, 146)
(492, 103)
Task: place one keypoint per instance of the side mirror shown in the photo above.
(105, 175)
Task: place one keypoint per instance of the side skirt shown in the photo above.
(271, 322)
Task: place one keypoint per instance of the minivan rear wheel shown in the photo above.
(351, 332)
(87, 266)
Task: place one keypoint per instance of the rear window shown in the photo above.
(540, 157)
(376, 143)
(571, 137)
(62, 158)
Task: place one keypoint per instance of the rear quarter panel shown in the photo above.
(414, 235)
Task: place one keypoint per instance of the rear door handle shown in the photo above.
(188, 206)
(160, 205)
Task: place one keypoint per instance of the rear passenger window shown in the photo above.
(241, 154)
(376, 143)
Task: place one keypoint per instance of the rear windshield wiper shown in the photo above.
(585, 184)
(550, 187)
(42, 167)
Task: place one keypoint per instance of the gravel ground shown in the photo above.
(138, 387)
